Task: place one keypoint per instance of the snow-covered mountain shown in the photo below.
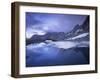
(78, 33)
(79, 29)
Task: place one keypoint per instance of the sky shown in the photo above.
(40, 23)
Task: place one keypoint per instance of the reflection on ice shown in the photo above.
(55, 47)
(69, 44)
(64, 44)
(57, 53)
(42, 48)
(59, 44)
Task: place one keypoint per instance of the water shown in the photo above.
(51, 53)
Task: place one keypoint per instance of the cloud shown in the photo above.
(30, 32)
(52, 22)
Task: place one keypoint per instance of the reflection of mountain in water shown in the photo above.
(49, 54)
(59, 48)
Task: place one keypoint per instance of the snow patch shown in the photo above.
(79, 36)
(69, 44)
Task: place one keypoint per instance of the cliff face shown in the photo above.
(60, 36)
(79, 29)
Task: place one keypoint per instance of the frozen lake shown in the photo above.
(51, 53)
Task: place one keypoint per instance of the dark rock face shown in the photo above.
(58, 36)
(79, 29)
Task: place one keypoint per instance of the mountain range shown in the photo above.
(78, 33)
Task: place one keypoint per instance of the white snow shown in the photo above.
(69, 44)
(30, 32)
(64, 44)
(58, 44)
(79, 36)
